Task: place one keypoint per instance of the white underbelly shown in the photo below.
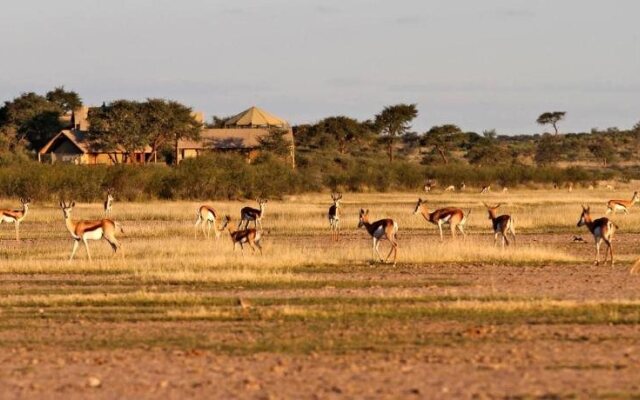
(378, 233)
(8, 219)
(210, 216)
(619, 207)
(93, 235)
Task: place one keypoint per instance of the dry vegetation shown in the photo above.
(182, 316)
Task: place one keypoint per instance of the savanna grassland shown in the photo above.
(177, 316)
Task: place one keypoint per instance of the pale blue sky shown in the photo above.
(480, 64)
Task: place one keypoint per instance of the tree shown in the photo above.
(551, 118)
(65, 100)
(32, 117)
(394, 121)
(549, 150)
(604, 150)
(342, 133)
(182, 125)
(118, 124)
(443, 138)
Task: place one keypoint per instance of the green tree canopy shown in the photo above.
(341, 133)
(551, 118)
(393, 122)
(31, 117)
(65, 100)
(443, 139)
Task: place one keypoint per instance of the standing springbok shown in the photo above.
(501, 225)
(454, 217)
(108, 203)
(334, 215)
(622, 205)
(248, 214)
(84, 230)
(16, 216)
(381, 229)
(485, 189)
(602, 229)
(206, 214)
(252, 237)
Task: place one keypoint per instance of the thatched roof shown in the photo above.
(255, 117)
(79, 139)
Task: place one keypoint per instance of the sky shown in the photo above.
(490, 64)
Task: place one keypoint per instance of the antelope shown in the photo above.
(610, 187)
(248, 214)
(381, 229)
(622, 205)
(108, 203)
(334, 215)
(501, 225)
(505, 189)
(450, 188)
(462, 187)
(454, 217)
(570, 187)
(16, 216)
(602, 229)
(252, 237)
(84, 230)
(485, 189)
(206, 214)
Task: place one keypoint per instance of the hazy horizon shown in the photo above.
(495, 64)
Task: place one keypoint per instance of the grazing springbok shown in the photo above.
(206, 215)
(16, 216)
(251, 237)
(248, 214)
(501, 225)
(622, 205)
(602, 229)
(454, 217)
(83, 230)
(108, 203)
(485, 189)
(450, 188)
(381, 229)
(334, 215)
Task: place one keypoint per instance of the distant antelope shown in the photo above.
(206, 215)
(622, 205)
(16, 216)
(570, 187)
(450, 188)
(251, 237)
(462, 187)
(108, 203)
(334, 215)
(485, 189)
(454, 217)
(610, 187)
(84, 230)
(602, 229)
(248, 214)
(381, 229)
(501, 225)
(505, 189)
(590, 187)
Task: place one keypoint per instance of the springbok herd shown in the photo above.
(503, 226)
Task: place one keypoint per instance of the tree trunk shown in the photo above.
(176, 161)
(555, 127)
(390, 150)
(442, 154)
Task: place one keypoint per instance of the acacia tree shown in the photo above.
(65, 100)
(393, 122)
(551, 118)
(31, 117)
(339, 132)
(181, 125)
(443, 138)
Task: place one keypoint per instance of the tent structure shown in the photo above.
(255, 117)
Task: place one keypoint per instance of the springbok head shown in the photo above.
(492, 209)
(25, 201)
(66, 208)
(419, 206)
(336, 197)
(585, 216)
(110, 194)
(363, 217)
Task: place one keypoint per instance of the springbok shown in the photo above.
(622, 205)
(462, 187)
(334, 215)
(501, 225)
(505, 189)
(454, 217)
(450, 188)
(16, 216)
(206, 215)
(248, 214)
(381, 229)
(485, 189)
(108, 203)
(84, 230)
(602, 229)
(570, 187)
(251, 237)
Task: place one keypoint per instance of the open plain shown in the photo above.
(177, 316)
